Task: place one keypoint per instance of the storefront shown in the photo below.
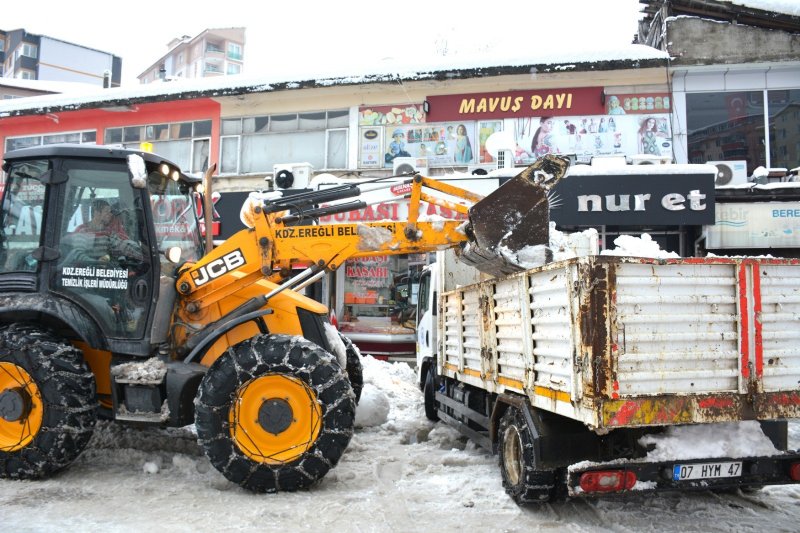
(452, 130)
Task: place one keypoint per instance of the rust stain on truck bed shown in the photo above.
(593, 321)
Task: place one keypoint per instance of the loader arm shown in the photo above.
(256, 260)
(272, 248)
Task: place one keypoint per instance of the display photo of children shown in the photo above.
(397, 147)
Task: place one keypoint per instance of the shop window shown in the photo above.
(229, 156)
(336, 150)
(78, 137)
(202, 128)
(174, 141)
(782, 108)
(735, 120)
(298, 137)
(231, 127)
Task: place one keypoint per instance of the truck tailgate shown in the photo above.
(621, 342)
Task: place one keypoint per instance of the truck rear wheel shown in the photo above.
(275, 413)
(522, 481)
(48, 404)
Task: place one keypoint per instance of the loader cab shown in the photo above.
(84, 232)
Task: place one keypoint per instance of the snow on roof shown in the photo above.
(787, 7)
(640, 170)
(50, 86)
(362, 72)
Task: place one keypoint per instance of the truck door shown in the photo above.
(426, 316)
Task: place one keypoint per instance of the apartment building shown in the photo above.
(28, 56)
(214, 52)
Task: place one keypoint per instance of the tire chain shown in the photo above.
(248, 360)
(69, 399)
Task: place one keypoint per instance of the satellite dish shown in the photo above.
(499, 141)
(724, 175)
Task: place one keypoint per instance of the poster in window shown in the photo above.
(588, 136)
(370, 148)
(443, 144)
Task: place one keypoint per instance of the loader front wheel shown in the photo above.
(521, 479)
(275, 413)
(48, 405)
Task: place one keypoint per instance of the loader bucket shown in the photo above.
(512, 218)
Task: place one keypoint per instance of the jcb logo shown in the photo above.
(218, 267)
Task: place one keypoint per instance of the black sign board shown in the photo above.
(583, 198)
(228, 207)
(633, 199)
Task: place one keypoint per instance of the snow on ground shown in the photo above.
(401, 473)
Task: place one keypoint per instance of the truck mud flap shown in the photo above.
(513, 217)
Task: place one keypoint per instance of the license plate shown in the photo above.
(706, 471)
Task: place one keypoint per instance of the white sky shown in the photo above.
(349, 32)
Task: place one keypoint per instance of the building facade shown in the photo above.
(212, 53)
(28, 56)
(670, 101)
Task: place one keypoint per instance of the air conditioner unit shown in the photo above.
(730, 172)
(291, 175)
(409, 165)
(608, 161)
(481, 170)
(647, 159)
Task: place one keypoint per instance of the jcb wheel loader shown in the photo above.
(112, 305)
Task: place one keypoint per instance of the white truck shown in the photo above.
(572, 370)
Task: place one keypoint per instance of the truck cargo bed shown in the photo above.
(633, 342)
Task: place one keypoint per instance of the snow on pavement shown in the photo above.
(401, 473)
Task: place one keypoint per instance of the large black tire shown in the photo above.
(275, 413)
(48, 402)
(429, 395)
(522, 481)
(355, 370)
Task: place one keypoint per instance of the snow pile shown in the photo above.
(151, 371)
(643, 246)
(138, 170)
(372, 237)
(527, 257)
(561, 246)
(336, 343)
(385, 385)
(373, 408)
(568, 245)
(743, 439)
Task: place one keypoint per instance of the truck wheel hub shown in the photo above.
(275, 415)
(14, 404)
